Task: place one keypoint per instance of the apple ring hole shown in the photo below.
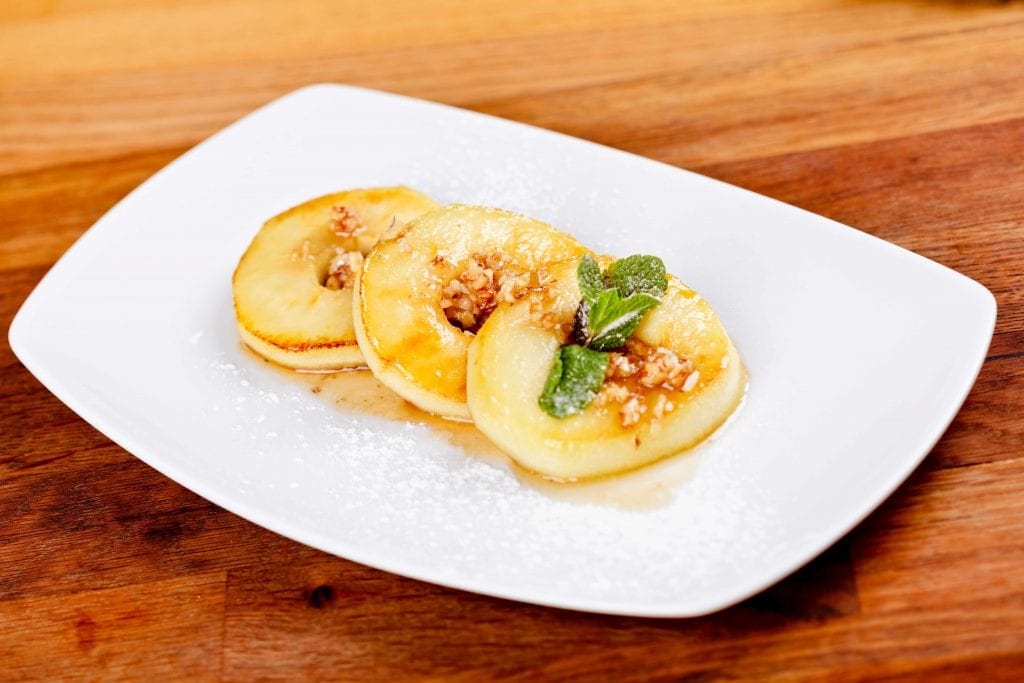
(470, 297)
(341, 270)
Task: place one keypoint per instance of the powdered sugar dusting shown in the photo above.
(400, 489)
(535, 185)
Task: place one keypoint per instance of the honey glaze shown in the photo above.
(652, 486)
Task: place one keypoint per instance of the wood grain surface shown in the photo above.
(904, 119)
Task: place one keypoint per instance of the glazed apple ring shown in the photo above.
(293, 286)
(422, 295)
(674, 381)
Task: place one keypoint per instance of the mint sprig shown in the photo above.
(611, 319)
(612, 306)
(614, 303)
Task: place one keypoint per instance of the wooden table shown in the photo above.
(904, 119)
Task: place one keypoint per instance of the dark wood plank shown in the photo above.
(47, 210)
(951, 537)
(130, 633)
(407, 628)
(90, 516)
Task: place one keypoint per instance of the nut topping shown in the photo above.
(342, 268)
(469, 298)
(345, 223)
(638, 368)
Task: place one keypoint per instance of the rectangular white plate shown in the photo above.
(859, 352)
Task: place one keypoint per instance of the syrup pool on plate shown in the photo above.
(358, 391)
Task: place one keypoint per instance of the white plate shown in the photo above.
(860, 354)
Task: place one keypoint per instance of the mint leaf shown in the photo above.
(590, 278)
(574, 380)
(638, 273)
(612, 319)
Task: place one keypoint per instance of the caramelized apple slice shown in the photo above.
(293, 286)
(676, 380)
(422, 295)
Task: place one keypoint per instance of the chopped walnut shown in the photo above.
(691, 381)
(473, 295)
(661, 406)
(622, 366)
(342, 268)
(546, 320)
(638, 368)
(631, 410)
(542, 301)
(650, 366)
(345, 223)
(512, 285)
(613, 392)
